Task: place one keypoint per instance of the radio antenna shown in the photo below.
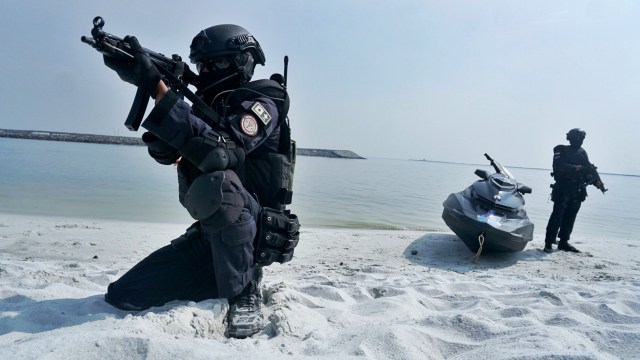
(286, 67)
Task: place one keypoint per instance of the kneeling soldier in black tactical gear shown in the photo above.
(226, 175)
(572, 172)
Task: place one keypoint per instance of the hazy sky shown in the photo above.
(441, 80)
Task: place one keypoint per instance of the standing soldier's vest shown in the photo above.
(570, 182)
(269, 177)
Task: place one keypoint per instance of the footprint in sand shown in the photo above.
(553, 299)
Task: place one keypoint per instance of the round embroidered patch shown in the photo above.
(249, 125)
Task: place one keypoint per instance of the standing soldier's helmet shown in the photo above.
(230, 42)
(576, 134)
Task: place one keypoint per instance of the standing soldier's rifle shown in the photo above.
(591, 177)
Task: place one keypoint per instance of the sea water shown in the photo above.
(49, 178)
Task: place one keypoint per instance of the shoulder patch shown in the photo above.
(249, 125)
(262, 113)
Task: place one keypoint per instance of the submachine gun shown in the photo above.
(176, 73)
(591, 176)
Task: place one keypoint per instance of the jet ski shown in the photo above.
(490, 214)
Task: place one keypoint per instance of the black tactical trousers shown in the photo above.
(211, 260)
(563, 216)
(167, 274)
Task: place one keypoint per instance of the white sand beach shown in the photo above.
(348, 293)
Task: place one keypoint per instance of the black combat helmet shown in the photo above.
(225, 40)
(576, 134)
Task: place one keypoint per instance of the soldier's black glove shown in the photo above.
(138, 71)
(189, 76)
(160, 150)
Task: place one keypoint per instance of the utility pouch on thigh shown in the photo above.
(278, 236)
(184, 239)
(582, 194)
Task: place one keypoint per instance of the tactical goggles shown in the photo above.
(217, 63)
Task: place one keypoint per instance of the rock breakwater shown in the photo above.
(128, 140)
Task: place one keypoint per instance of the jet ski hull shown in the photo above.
(501, 232)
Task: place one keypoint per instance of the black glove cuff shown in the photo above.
(150, 82)
(158, 123)
(159, 150)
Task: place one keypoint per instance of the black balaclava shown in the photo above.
(215, 81)
(576, 143)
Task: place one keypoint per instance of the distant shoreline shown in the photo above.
(135, 141)
(509, 166)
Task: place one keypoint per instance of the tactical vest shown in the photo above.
(269, 177)
(570, 183)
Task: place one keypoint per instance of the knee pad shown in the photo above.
(204, 196)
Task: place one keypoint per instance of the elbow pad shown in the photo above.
(210, 155)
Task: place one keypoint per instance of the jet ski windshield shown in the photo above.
(507, 172)
(499, 168)
(503, 182)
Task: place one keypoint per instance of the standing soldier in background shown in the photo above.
(572, 172)
(234, 178)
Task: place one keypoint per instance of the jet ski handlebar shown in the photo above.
(497, 167)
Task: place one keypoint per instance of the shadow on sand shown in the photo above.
(448, 252)
(24, 314)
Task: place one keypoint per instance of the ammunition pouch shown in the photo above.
(572, 191)
(269, 176)
(278, 235)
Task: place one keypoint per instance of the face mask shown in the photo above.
(211, 83)
(576, 143)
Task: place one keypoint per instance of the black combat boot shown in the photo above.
(564, 246)
(245, 316)
(548, 248)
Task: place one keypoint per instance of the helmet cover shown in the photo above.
(225, 39)
(576, 134)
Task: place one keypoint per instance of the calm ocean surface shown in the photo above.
(48, 178)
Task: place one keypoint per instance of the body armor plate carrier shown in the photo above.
(269, 177)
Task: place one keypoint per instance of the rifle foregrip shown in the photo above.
(138, 109)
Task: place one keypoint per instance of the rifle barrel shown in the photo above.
(87, 40)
